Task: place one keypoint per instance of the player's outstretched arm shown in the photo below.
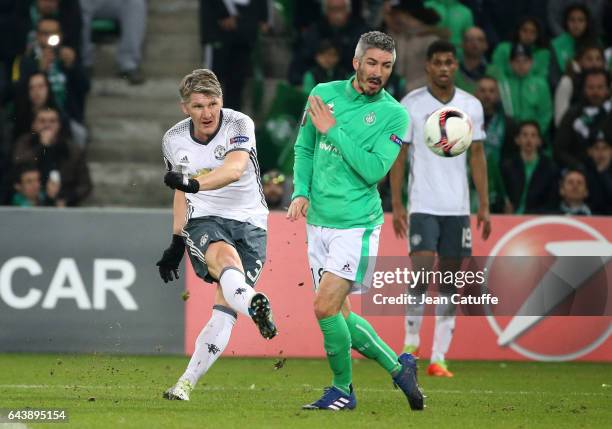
(478, 165)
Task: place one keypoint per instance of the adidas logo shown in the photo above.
(185, 159)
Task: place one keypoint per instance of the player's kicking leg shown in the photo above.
(225, 264)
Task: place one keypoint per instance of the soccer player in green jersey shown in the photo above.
(350, 135)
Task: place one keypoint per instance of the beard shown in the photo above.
(363, 80)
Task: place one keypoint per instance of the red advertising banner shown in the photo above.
(287, 281)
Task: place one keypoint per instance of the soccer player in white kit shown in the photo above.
(438, 196)
(219, 214)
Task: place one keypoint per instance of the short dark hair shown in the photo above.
(22, 168)
(488, 77)
(326, 45)
(596, 72)
(440, 46)
(567, 171)
(528, 122)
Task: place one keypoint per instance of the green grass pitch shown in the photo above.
(101, 391)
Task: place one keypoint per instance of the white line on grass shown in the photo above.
(238, 388)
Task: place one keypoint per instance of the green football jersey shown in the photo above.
(339, 171)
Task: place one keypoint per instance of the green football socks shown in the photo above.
(337, 343)
(366, 341)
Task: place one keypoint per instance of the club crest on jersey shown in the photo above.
(370, 118)
(220, 152)
(239, 140)
(395, 139)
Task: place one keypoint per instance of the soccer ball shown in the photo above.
(448, 132)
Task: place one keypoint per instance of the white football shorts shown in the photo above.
(347, 253)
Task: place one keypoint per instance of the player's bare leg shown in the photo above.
(224, 264)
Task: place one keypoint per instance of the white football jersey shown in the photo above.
(242, 200)
(438, 185)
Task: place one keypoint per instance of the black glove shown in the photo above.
(176, 180)
(171, 259)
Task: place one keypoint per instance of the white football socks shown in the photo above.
(210, 343)
(236, 291)
(413, 321)
(443, 332)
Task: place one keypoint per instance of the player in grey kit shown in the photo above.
(219, 213)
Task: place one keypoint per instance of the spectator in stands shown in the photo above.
(228, 32)
(599, 175)
(27, 186)
(583, 122)
(455, 17)
(574, 192)
(500, 128)
(411, 25)
(67, 12)
(337, 26)
(528, 33)
(48, 55)
(570, 87)
(308, 12)
(132, 17)
(577, 32)
(525, 96)
(498, 145)
(531, 179)
(473, 64)
(500, 19)
(49, 147)
(31, 95)
(557, 14)
(326, 68)
(276, 190)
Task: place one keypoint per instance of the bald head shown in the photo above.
(474, 43)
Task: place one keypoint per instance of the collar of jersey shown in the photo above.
(353, 94)
(197, 140)
(449, 100)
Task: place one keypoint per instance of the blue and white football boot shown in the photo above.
(334, 399)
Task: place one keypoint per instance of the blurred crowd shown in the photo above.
(540, 68)
(46, 63)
